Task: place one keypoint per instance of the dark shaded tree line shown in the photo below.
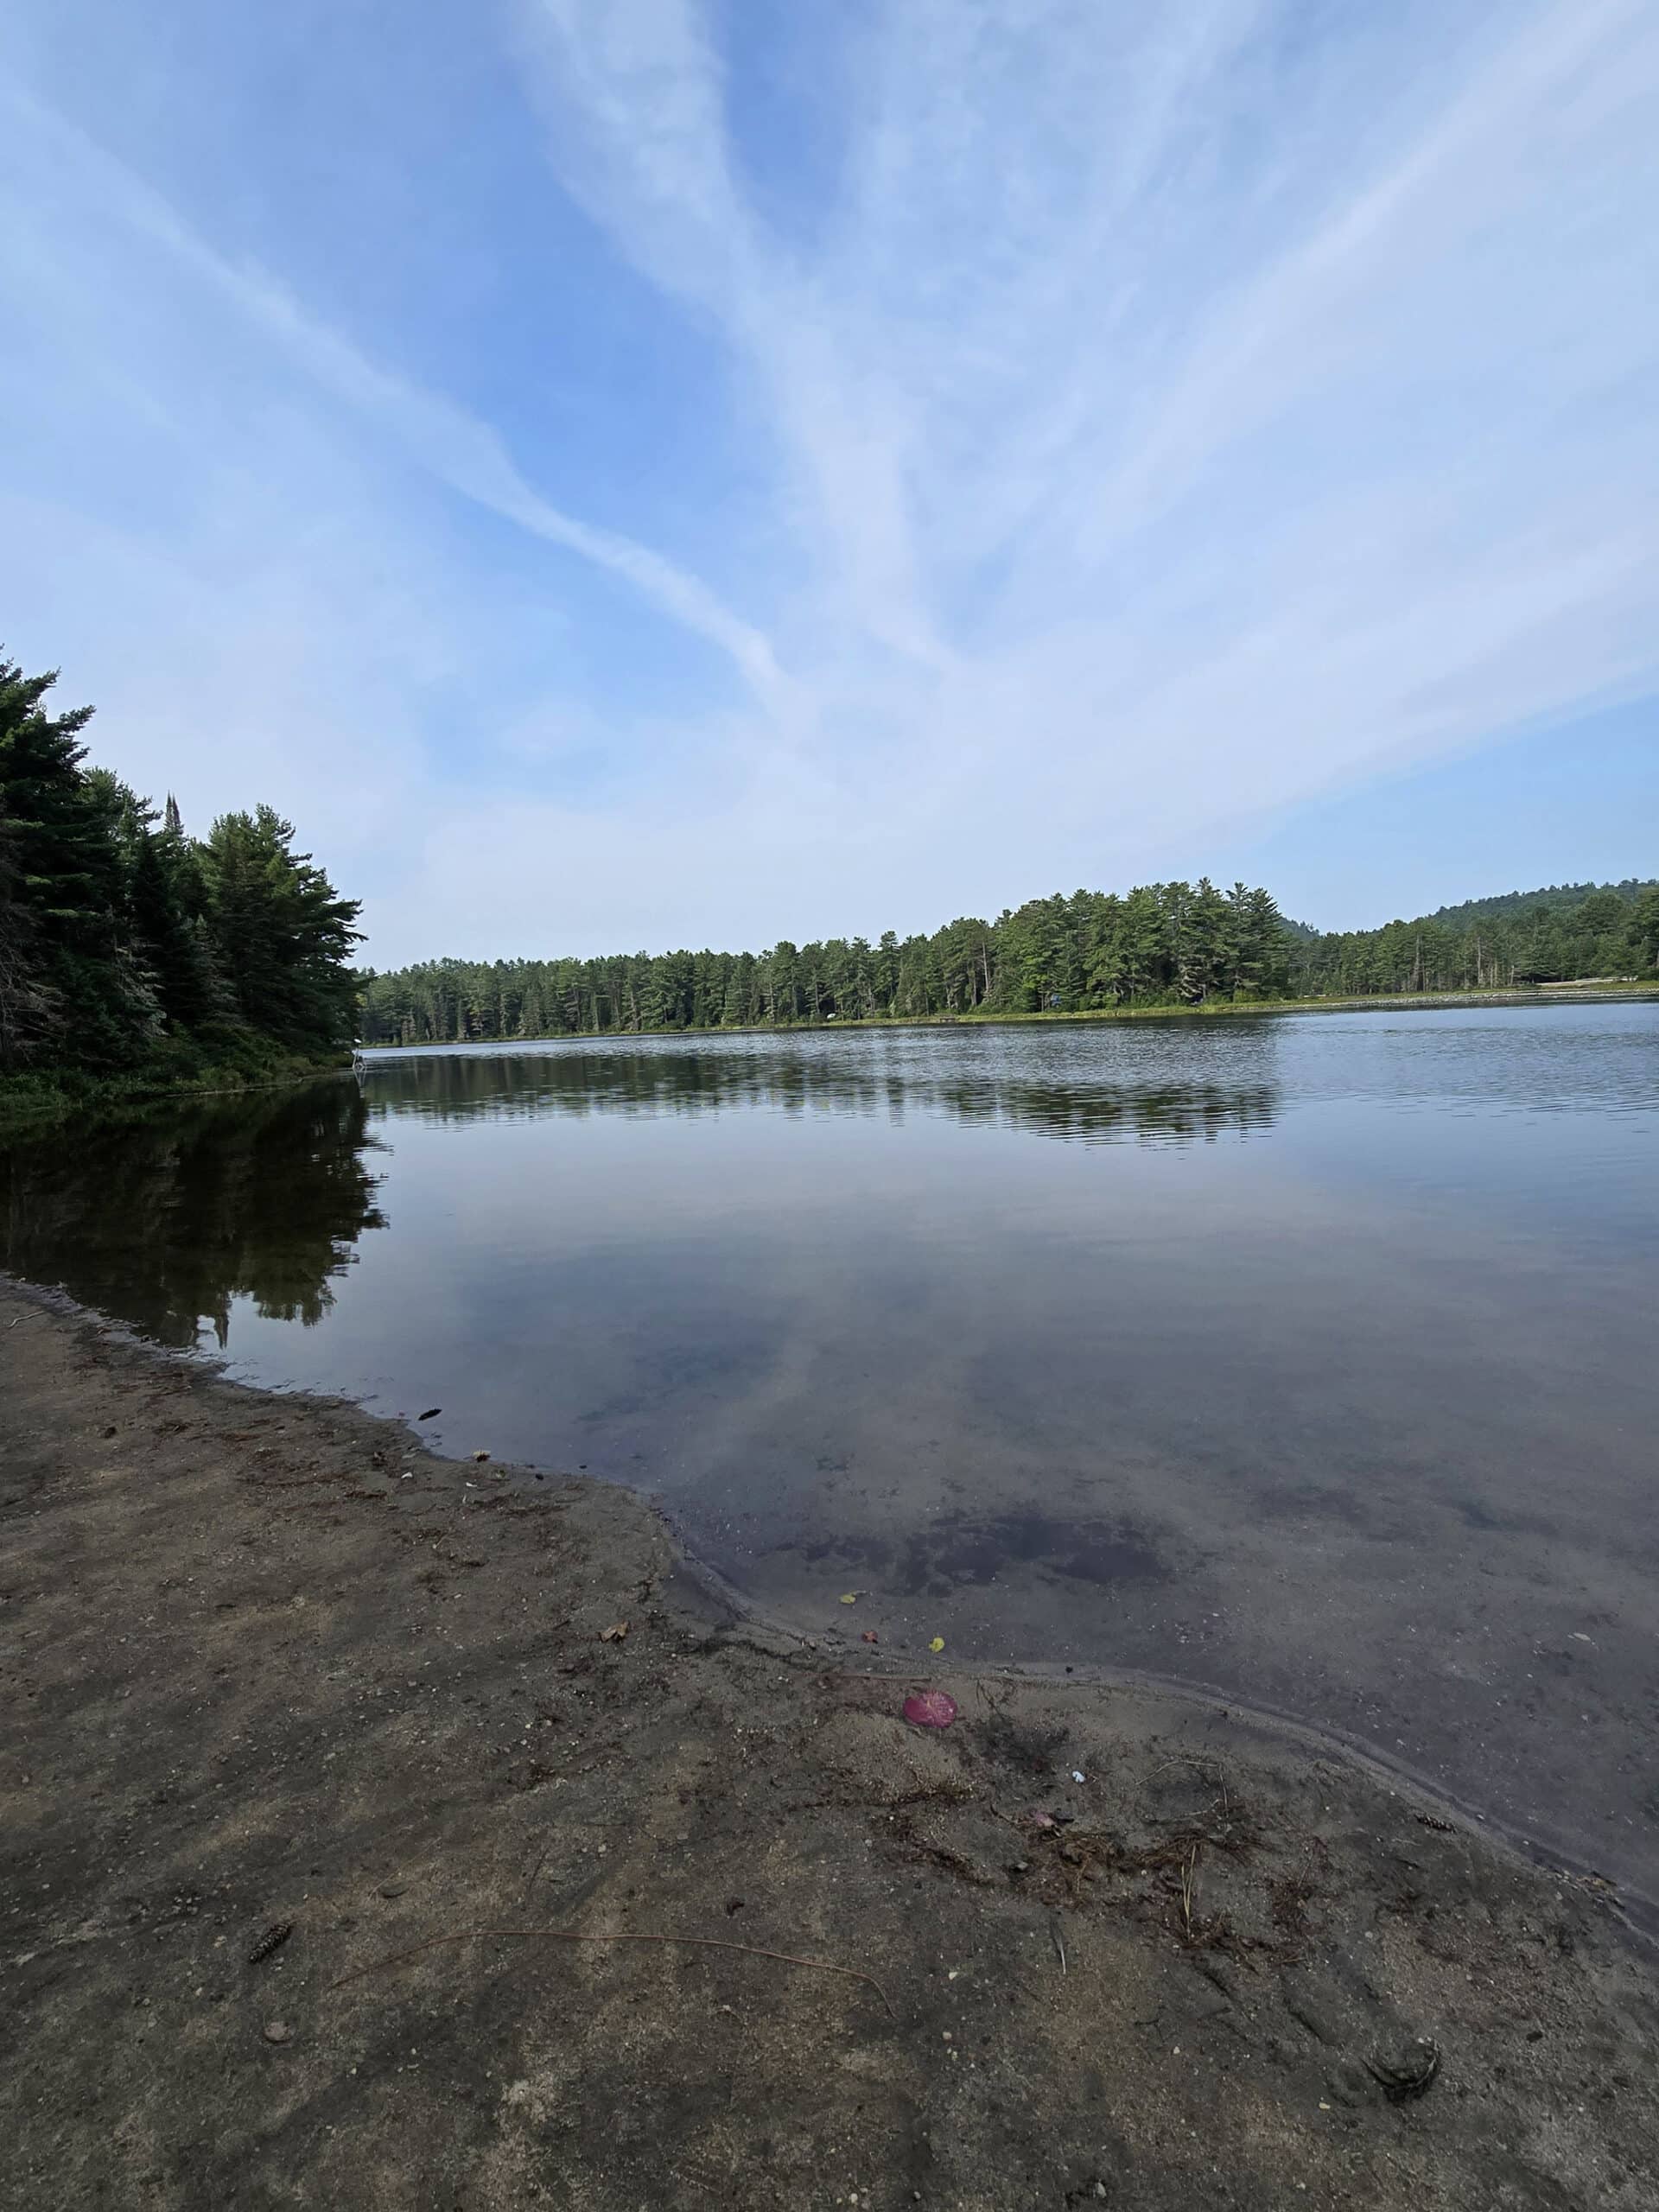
(1163, 945)
(124, 942)
(1536, 937)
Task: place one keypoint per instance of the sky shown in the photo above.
(634, 472)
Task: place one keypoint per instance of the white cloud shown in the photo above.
(464, 453)
(1166, 416)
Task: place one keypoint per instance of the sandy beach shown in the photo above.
(383, 1830)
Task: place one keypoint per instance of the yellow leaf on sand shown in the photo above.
(938, 1645)
(849, 1597)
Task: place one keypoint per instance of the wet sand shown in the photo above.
(287, 1698)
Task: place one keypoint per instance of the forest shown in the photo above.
(1163, 945)
(1561, 935)
(130, 952)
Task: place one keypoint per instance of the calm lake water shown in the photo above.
(1314, 1358)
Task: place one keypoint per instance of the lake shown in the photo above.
(1311, 1358)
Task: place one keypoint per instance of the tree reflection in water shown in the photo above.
(164, 1217)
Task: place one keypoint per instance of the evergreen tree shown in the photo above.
(170, 911)
(65, 827)
(283, 932)
(120, 937)
(27, 1006)
(1644, 927)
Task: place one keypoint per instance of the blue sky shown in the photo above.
(638, 472)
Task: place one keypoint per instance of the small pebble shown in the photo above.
(277, 2031)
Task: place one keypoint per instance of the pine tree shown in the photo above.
(29, 1007)
(1644, 927)
(64, 828)
(283, 933)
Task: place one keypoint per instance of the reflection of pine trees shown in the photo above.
(641, 1080)
(162, 1219)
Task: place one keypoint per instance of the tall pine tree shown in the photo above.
(121, 938)
(283, 932)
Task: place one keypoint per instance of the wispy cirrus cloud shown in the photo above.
(439, 436)
(1081, 429)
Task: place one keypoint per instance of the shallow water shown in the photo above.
(1309, 1358)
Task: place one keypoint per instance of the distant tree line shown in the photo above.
(127, 944)
(1549, 936)
(1506, 905)
(124, 943)
(1164, 944)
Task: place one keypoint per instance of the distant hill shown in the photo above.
(1553, 896)
(1557, 934)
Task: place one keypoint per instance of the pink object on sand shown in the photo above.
(929, 1709)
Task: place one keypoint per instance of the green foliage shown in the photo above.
(1169, 944)
(283, 938)
(1530, 937)
(1162, 944)
(1509, 903)
(131, 953)
(212, 1060)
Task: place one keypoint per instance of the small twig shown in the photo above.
(1059, 1942)
(627, 1935)
(1189, 1890)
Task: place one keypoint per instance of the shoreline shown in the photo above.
(1210, 1010)
(29, 1104)
(260, 1679)
(818, 1645)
